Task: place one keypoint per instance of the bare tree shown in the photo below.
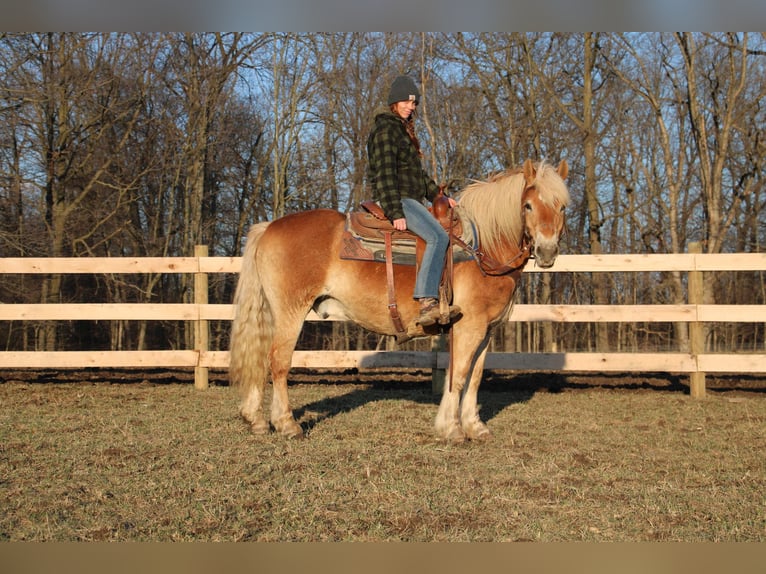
(81, 115)
(716, 76)
(148, 144)
(202, 73)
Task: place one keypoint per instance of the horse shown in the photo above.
(291, 266)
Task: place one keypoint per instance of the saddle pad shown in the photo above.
(362, 249)
(367, 226)
(370, 245)
(354, 246)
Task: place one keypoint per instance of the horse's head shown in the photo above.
(543, 210)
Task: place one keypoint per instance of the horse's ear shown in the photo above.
(529, 170)
(563, 169)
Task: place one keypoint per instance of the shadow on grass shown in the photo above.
(402, 380)
(500, 390)
(495, 394)
(417, 392)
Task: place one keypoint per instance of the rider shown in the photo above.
(400, 185)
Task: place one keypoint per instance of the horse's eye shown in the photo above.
(563, 208)
(528, 206)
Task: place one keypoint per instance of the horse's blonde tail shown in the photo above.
(252, 330)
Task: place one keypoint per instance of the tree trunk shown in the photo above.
(600, 285)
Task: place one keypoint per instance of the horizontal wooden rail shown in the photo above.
(70, 265)
(201, 312)
(564, 263)
(106, 359)
(677, 363)
(520, 312)
(567, 362)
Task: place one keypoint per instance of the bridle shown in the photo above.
(488, 265)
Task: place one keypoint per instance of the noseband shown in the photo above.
(488, 265)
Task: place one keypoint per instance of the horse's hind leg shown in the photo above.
(281, 359)
(250, 409)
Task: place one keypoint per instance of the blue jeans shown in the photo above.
(421, 222)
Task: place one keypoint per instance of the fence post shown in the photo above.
(696, 328)
(201, 329)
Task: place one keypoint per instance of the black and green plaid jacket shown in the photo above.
(394, 169)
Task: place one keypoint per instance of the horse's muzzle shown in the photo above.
(545, 255)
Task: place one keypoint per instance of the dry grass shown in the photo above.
(162, 461)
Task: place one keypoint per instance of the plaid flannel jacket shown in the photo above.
(394, 169)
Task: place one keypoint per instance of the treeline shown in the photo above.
(147, 144)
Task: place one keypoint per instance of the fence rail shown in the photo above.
(695, 362)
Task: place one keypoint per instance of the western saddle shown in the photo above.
(370, 236)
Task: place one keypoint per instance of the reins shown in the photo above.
(488, 266)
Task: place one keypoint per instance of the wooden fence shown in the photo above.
(696, 362)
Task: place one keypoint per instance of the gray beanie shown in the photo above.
(403, 89)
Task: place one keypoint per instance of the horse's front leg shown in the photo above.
(465, 351)
(447, 422)
(472, 425)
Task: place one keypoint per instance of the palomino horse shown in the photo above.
(291, 265)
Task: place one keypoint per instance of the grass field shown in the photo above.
(89, 457)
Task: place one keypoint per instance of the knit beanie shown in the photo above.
(403, 89)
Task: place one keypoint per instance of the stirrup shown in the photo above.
(429, 313)
(453, 311)
(437, 313)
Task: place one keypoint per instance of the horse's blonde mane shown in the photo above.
(495, 205)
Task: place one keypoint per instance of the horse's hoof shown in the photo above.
(455, 436)
(259, 427)
(296, 435)
(480, 433)
(483, 436)
(292, 431)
